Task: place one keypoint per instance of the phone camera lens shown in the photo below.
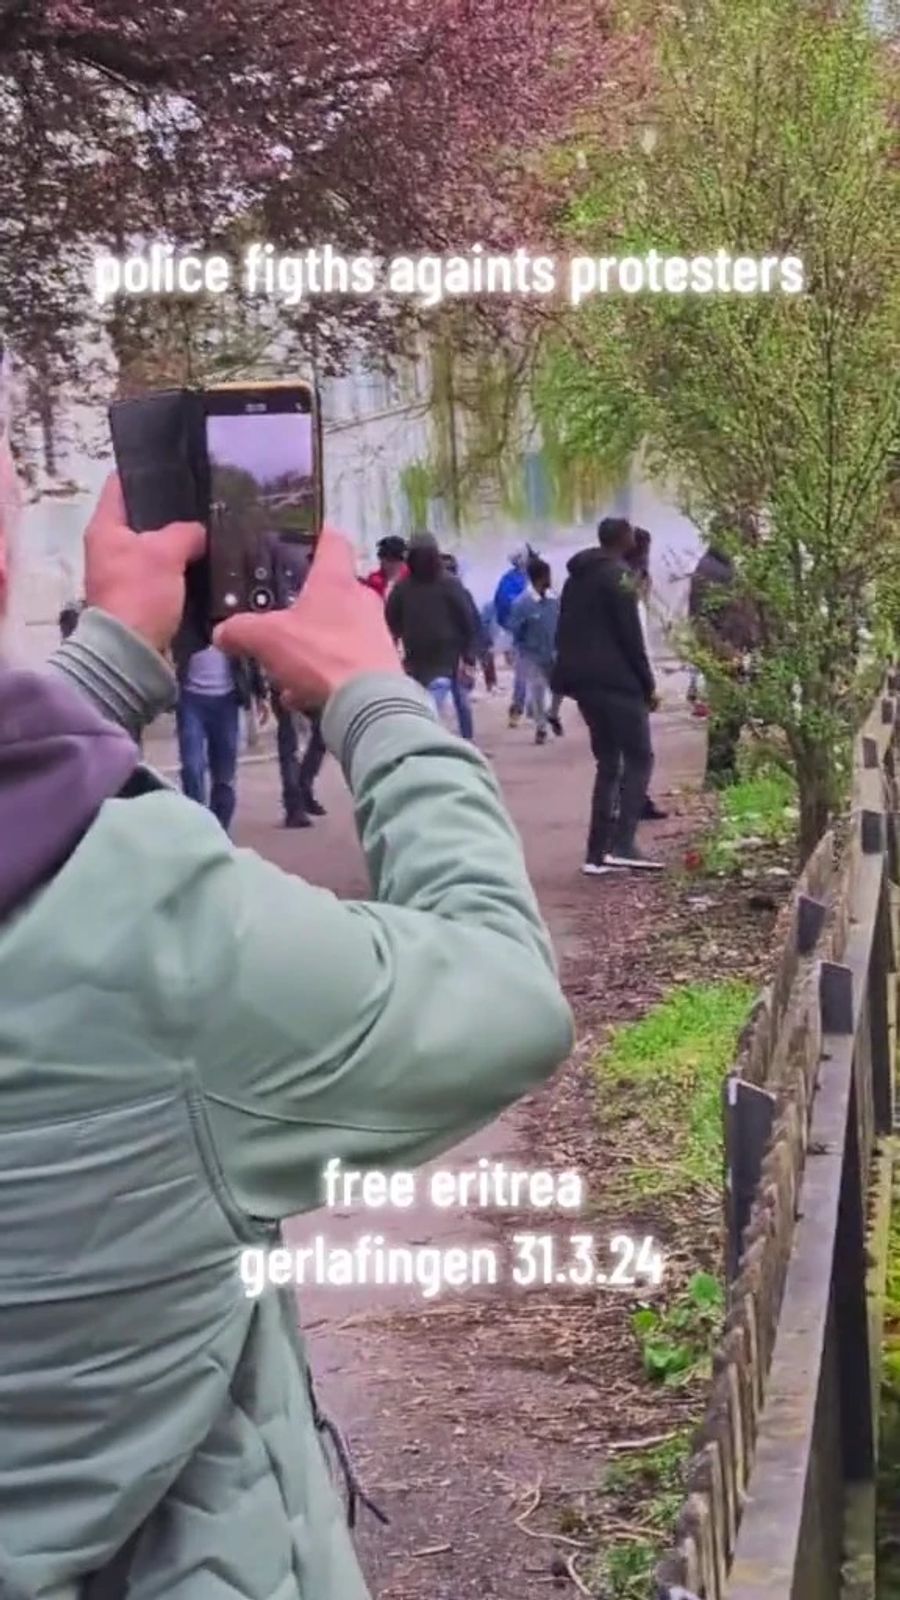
(260, 573)
(261, 598)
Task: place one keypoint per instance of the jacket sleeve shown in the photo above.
(122, 676)
(702, 608)
(501, 602)
(644, 617)
(626, 619)
(380, 1032)
(479, 632)
(466, 622)
(517, 619)
(393, 610)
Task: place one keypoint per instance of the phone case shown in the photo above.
(159, 443)
(160, 451)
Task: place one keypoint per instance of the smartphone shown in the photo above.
(245, 460)
(263, 449)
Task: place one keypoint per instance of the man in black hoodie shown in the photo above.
(601, 664)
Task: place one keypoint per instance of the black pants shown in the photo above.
(297, 776)
(619, 726)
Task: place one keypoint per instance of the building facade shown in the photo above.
(378, 435)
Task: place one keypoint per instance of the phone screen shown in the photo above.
(262, 450)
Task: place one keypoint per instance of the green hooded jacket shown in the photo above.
(187, 1035)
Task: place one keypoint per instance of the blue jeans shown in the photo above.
(462, 705)
(440, 689)
(207, 727)
(520, 684)
(537, 689)
(444, 689)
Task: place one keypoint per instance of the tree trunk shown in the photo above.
(42, 393)
(816, 789)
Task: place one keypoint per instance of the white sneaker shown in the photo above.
(599, 869)
(636, 861)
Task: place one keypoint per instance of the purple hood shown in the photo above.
(59, 760)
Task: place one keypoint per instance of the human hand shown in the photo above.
(262, 712)
(138, 577)
(335, 631)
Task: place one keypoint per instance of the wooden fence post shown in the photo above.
(749, 1113)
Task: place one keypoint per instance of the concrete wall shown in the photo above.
(373, 429)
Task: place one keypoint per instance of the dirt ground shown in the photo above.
(478, 1419)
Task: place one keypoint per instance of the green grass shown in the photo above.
(661, 1079)
(625, 1572)
(763, 806)
(888, 1515)
(646, 1488)
(677, 1341)
(659, 1083)
(655, 1476)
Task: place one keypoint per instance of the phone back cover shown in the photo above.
(159, 441)
(160, 448)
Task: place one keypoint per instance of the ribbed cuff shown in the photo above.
(123, 676)
(367, 700)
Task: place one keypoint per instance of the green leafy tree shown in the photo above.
(770, 130)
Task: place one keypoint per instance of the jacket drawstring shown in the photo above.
(355, 1492)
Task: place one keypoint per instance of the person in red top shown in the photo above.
(391, 553)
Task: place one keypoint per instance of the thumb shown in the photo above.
(110, 502)
(334, 556)
(179, 543)
(244, 635)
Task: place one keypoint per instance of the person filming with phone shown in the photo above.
(188, 1034)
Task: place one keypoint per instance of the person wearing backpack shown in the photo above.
(533, 623)
(513, 583)
(433, 620)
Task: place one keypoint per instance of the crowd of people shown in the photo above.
(589, 644)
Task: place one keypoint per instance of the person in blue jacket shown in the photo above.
(533, 625)
(511, 586)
